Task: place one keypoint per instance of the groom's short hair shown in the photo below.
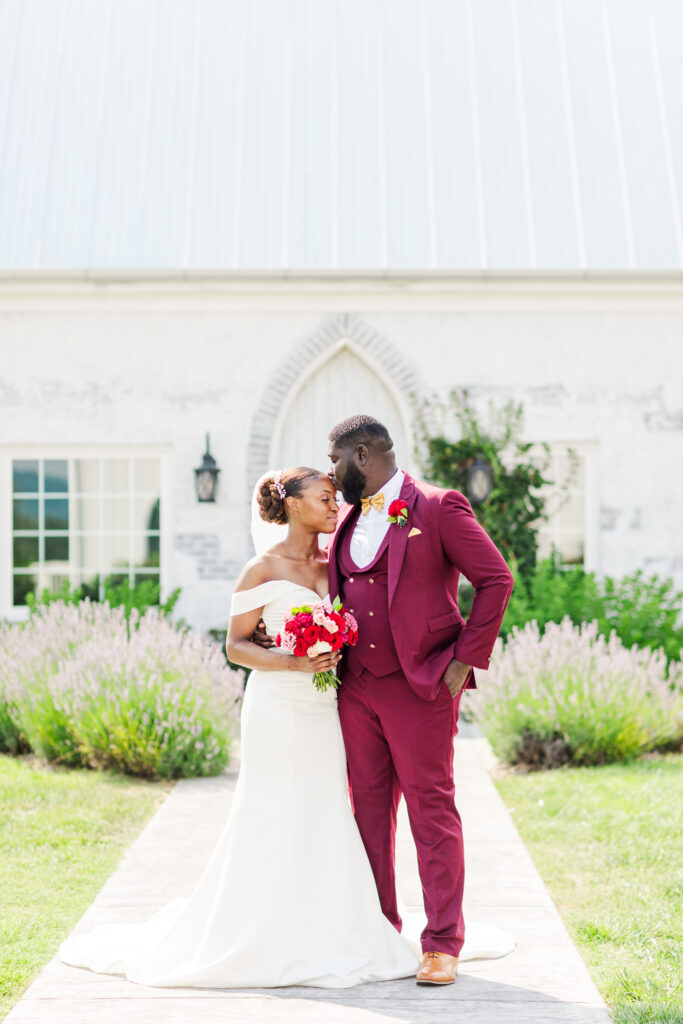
(361, 430)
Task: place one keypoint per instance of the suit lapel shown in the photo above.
(398, 536)
(345, 516)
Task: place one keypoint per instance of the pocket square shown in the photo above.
(414, 532)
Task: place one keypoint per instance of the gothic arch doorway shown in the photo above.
(344, 367)
(339, 384)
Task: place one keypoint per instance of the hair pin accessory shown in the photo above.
(279, 486)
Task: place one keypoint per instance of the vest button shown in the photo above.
(371, 580)
(372, 645)
(371, 613)
(350, 579)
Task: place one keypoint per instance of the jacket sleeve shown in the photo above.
(470, 549)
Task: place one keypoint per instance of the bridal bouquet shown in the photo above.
(317, 629)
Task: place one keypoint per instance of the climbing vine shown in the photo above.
(515, 508)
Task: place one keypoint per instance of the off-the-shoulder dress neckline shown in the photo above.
(291, 583)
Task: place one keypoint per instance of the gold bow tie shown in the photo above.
(376, 502)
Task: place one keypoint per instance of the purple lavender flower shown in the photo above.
(82, 685)
(574, 687)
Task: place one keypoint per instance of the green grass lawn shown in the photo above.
(62, 833)
(608, 842)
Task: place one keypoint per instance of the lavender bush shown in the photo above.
(81, 684)
(573, 695)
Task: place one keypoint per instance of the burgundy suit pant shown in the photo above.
(398, 743)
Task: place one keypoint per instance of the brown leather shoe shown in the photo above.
(437, 969)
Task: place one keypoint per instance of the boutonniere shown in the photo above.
(398, 512)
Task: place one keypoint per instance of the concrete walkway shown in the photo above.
(543, 980)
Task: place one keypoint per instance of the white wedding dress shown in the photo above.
(288, 896)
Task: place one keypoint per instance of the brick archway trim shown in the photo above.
(288, 373)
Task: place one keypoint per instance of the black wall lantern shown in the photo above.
(479, 481)
(206, 476)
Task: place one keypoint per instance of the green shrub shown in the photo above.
(641, 610)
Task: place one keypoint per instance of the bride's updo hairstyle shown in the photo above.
(290, 484)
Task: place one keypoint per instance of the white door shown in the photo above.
(342, 386)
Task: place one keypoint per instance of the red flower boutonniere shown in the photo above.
(398, 512)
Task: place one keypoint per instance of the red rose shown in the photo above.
(310, 635)
(278, 640)
(398, 512)
(300, 648)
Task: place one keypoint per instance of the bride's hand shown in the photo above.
(326, 662)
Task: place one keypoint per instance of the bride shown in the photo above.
(288, 896)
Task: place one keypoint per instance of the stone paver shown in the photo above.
(543, 981)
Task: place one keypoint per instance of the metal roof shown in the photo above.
(338, 134)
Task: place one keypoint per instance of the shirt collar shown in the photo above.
(391, 490)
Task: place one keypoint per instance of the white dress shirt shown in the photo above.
(371, 528)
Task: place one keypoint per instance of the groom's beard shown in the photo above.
(353, 485)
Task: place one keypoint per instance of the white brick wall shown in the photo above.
(163, 362)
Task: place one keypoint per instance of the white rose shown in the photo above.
(319, 647)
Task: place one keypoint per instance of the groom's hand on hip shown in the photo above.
(260, 636)
(455, 676)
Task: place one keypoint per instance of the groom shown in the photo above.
(402, 682)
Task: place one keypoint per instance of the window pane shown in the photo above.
(116, 552)
(25, 475)
(571, 515)
(564, 468)
(56, 513)
(87, 475)
(117, 475)
(571, 548)
(141, 577)
(114, 536)
(56, 475)
(117, 578)
(146, 551)
(51, 578)
(85, 513)
(146, 513)
(25, 552)
(147, 475)
(90, 584)
(545, 541)
(85, 551)
(22, 586)
(56, 549)
(116, 514)
(25, 513)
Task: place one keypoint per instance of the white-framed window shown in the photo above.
(82, 516)
(572, 526)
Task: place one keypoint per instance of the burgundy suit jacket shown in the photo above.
(424, 616)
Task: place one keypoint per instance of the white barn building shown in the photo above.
(252, 218)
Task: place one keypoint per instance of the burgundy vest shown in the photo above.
(365, 593)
